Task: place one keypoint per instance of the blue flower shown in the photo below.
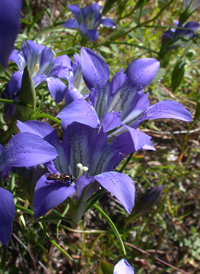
(7, 215)
(10, 11)
(20, 151)
(171, 36)
(123, 267)
(87, 20)
(121, 104)
(88, 159)
(43, 68)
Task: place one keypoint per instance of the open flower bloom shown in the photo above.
(84, 162)
(172, 35)
(121, 104)
(10, 11)
(123, 267)
(43, 68)
(87, 20)
(7, 215)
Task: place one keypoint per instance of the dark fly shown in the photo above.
(69, 179)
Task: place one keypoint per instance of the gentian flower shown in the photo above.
(122, 103)
(88, 161)
(123, 267)
(171, 36)
(87, 20)
(7, 215)
(20, 151)
(10, 11)
(43, 68)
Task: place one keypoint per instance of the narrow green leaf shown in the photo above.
(139, 4)
(27, 94)
(44, 115)
(112, 225)
(56, 245)
(43, 235)
(108, 5)
(95, 197)
(4, 256)
(177, 74)
(26, 210)
(197, 113)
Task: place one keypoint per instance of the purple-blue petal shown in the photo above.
(111, 121)
(15, 82)
(108, 22)
(79, 111)
(16, 57)
(72, 95)
(39, 79)
(57, 88)
(121, 186)
(134, 110)
(10, 11)
(92, 34)
(39, 128)
(63, 60)
(117, 81)
(192, 25)
(81, 183)
(168, 109)
(46, 56)
(95, 7)
(7, 215)
(94, 69)
(71, 24)
(49, 194)
(139, 139)
(123, 267)
(31, 52)
(26, 149)
(74, 8)
(142, 71)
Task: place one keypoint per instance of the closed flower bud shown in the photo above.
(146, 201)
(27, 94)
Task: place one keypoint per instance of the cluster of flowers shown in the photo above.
(98, 133)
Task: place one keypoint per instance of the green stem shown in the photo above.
(4, 256)
(63, 214)
(126, 163)
(56, 245)
(116, 232)
(44, 115)
(7, 101)
(26, 210)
